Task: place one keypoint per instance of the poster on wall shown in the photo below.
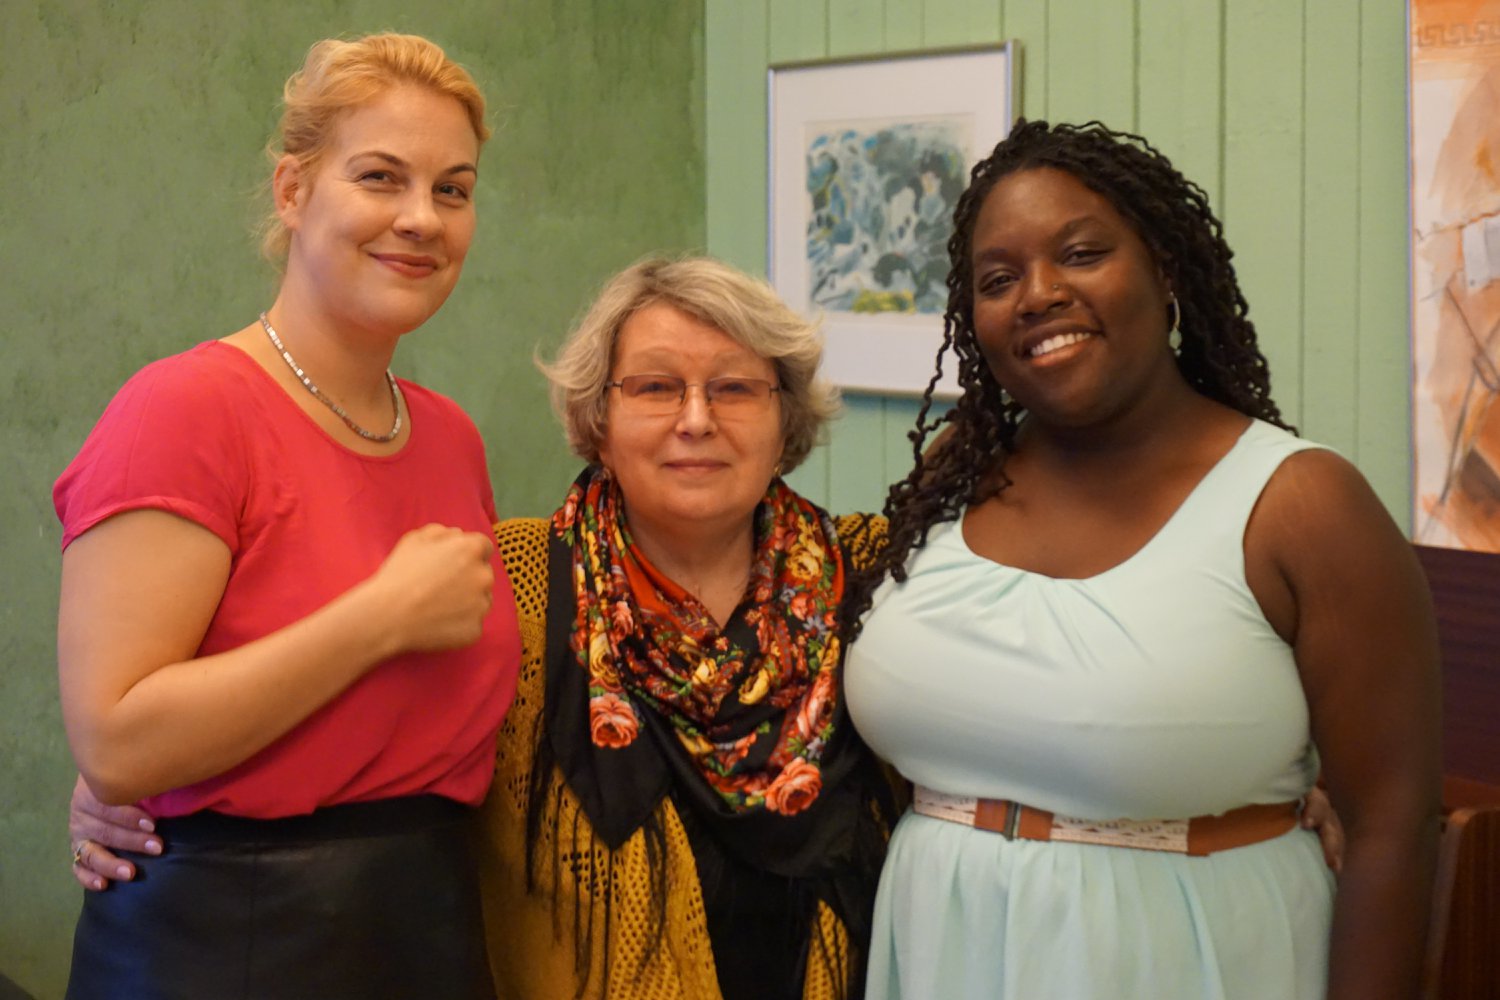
(868, 159)
(1455, 213)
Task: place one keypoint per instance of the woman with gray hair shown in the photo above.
(680, 806)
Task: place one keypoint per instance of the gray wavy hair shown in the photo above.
(745, 308)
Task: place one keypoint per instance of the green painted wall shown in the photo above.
(130, 138)
(1291, 113)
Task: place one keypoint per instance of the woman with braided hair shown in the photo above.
(1124, 617)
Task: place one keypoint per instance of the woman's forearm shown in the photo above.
(193, 719)
(1382, 910)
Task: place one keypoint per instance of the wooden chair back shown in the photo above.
(1463, 947)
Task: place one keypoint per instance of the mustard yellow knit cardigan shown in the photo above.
(531, 943)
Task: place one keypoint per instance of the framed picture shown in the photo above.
(1454, 77)
(868, 159)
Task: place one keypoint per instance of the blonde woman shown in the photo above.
(284, 628)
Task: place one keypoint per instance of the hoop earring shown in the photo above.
(1174, 332)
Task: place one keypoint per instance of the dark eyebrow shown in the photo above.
(994, 253)
(396, 161)
(1077, 224)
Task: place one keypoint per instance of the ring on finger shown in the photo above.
(78, 851)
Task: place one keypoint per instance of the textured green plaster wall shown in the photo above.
(130, 138)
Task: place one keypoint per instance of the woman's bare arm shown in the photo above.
(145, 715)
(1366, 647)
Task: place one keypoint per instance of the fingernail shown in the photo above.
(153, 847)
(148, 826)
(122, 872)
(98, 883)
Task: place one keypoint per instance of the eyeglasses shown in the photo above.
(662, 394)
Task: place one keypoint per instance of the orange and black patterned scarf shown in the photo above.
(752, 705)
(742, 727)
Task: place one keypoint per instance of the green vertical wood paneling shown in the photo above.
(1027, 22)
(900, 420)
(1384, 404)
(855, 27)
(902, 25)
(1289, 113)
(1091, 65)
(1330, 230)
(811, 477)
(797, 30)
(735, 131)
(856, 452)
(962, 22)
(856, 464)
(1181, 87)
(1262, 206)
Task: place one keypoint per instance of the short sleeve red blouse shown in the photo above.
(208, 435)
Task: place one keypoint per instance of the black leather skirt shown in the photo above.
(369, 900)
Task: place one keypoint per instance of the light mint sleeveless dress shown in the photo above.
(1154, 690)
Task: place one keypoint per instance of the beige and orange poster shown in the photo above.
(1455, 192)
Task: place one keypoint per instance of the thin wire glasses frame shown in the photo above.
(661, 394)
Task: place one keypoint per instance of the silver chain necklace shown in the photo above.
(390, 380)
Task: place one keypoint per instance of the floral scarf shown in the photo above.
(741, 727)
(752, 705)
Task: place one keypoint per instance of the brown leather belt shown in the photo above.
(1197, 836)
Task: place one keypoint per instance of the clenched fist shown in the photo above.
(437, 585)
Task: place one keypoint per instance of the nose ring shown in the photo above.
(1056, 287)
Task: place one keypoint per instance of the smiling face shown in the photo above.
(694, 468)
(1069, 306)
(381, 225)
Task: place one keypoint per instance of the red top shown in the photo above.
(208, 435)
